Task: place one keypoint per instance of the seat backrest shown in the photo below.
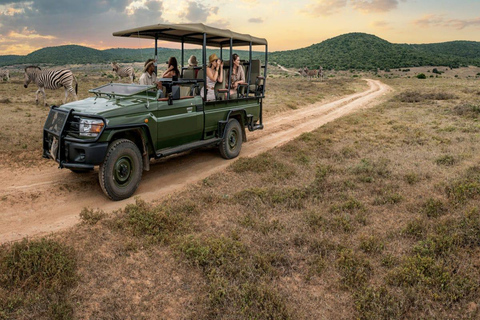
(184, 91)
(200, 74)
(256, 71)
(188, 74)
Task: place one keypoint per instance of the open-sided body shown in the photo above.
(124, 126)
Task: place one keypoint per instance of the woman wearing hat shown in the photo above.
(213, 76)
(192, 62)
(149, 78)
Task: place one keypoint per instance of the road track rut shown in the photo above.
(42, 200)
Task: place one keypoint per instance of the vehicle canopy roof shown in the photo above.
(192, 33)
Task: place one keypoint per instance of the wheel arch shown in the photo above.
(238, 114)
(141, 137)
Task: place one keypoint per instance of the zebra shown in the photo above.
(320, 73)
(4, 75)
(310, 73)
(124, 72)
(51, 79)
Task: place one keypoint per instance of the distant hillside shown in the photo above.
(66, 54)
(73, 54)
(369, 52)
(349, 51)
(462, 49)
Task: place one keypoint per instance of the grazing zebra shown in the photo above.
(124, 72)
(320, 73)
(51, 79)
(5, 75)
(310, 73)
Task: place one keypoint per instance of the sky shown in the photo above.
(26, 26)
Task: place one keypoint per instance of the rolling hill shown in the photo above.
(369, 52)
(349, 51)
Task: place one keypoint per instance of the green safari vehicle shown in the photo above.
(123, 126)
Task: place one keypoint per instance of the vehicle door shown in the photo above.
(180, 122)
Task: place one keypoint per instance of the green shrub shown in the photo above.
(35, 280)
(446, 160)
(421, 76)
(90, 216)
(433, 208)
(354, 269)
(155, 224)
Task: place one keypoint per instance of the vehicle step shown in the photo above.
(185, 147)
(77, 166)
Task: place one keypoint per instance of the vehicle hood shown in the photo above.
(104, 106)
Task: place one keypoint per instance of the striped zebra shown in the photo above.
(51, 79)
(4, 75)
(124, 72)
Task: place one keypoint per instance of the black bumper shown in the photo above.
(78, 155)
(69, 152)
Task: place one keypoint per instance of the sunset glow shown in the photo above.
(26, 26)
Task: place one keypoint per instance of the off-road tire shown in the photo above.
(231, 144)
(121, 171)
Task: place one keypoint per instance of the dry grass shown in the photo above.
(373, 216)
(22, 120)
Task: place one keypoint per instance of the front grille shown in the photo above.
(55, 121)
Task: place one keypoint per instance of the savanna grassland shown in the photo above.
(22, 120)
(373, 216)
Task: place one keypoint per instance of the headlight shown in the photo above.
(90, 127)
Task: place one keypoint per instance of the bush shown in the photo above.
(35, 280)
(421, 76)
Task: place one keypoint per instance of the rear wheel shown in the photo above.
(231, 144)
(121, 171)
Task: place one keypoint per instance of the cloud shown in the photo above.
(220, 23)
(429, 20)
(197, 12)
(432, 20)
(325, 7)
(329, 7)
(374, 5)
(382, 24)
(255, 20)
(56, 22)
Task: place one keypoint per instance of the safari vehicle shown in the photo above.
(123, 126)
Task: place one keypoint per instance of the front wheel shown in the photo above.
(231, 144)
(121, 171)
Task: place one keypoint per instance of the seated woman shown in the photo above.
(213, 76)
(172, 70)
(238, 75)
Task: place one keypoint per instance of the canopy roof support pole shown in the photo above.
(265, 70)
(230, 69)
(183, 50)
(156, 53)
(249, 68)
(204, 58)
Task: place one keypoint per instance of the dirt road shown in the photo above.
(41, 200)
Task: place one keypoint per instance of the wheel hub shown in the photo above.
(123, 170)
(232, 141)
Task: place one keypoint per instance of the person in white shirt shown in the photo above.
(149, 77)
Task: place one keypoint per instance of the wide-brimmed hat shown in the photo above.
(212, 58)
(192, 61)
(148, 64)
